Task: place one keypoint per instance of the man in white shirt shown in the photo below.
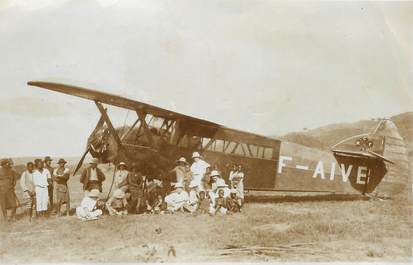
(88, 207)
(28, 188)
(198, 168)
(40, 180)
(178, 200)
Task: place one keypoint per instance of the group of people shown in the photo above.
(193, 188)
(44, 187)
(198, 188)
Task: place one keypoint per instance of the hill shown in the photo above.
(326, 136)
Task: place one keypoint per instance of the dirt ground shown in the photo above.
(374, 230)
(319, 231)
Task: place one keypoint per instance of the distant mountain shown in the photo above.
(326, 136)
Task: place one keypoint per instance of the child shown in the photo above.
(234, 202)
(159, 206)
(203, 203)
(220, 205)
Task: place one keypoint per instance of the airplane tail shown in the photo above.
(393, 148)
(381, 158)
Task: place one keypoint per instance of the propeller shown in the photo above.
(89, 145)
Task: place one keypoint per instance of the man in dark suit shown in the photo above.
(92, 177)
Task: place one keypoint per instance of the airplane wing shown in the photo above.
(361, 154)
(202, 127)
(118, 101)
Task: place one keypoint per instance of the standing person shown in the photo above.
(92, 177)
(237, 181)
(28, 188)
(193, 197)
(8, 178)
(121, 177)
(48, 166)
(40, 177)
(198, 168)
(135, 183)
(232, 173)
(61, 191)
(183, 175)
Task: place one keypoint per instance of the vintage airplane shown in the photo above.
(371, 162)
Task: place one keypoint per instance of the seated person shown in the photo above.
(203, 203)
(220, 204)
(178, 200)
(234, 202)
(89, 207)
(117, 204)
(219, 185)
(159, 206)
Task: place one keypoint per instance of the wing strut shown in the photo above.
(110, 125)
(146, 130)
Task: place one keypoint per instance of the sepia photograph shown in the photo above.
(169, 131)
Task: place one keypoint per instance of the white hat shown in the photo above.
(233, 191)
(122, 164)
(195, 155)
(193, 184)
(215, 173)
(119, 194)
(94, 193)
(179, 185)
(182, 159)
(221, 183)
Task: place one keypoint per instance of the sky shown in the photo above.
(268, 67)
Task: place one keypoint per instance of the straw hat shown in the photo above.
(119, 194)
(196, 155)
(94, 193)
(232, 191)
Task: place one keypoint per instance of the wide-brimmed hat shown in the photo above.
(182, 159)
(215, 173)
(94, 161)
(196, 155)
(47, 158)
(233, 191)
(221, 183)
(61, 160)
(122, 164)
(119, 194)
(94, 193)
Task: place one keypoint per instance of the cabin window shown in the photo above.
(219, 145)
(268, 153)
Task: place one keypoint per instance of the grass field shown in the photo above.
(374, 230)
(321, 231)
